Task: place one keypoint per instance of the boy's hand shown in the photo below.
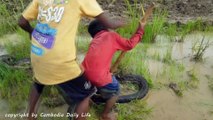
(25, 25)
(142, 24)
(146, 15)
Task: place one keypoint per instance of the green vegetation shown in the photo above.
(133, 16)
(168, 57)
(171, 31)
(20, 48)
(139, 67)
(83, 43)
(187, 28)
(191, 83)
(193, 79)
(51, 97)
(199, 48)
(135, 110)
(152, 29)
(5, 25)
(14, 86)
(15, 83)
(82, 28)
(155, 27)
(10, 11)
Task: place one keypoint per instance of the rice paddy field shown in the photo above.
(175, 58)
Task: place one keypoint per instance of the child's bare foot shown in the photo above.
(110, 116)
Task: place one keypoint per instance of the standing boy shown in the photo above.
(98, 59)
(53, 50)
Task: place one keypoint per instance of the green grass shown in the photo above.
(189, 27)
(155, 27)
(51, 97)
(6, 25)
(135, 110)
(22, 48)
(193, 81)
(168, 57)
(82, 29)
(10, 11)
(209, 28)
(185, 30)
(131, 64)
(15, 83)
(134, 18)
(14, 86)
(82, 43)
(171, 32)
(199, 47)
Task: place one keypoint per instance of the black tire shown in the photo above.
(11, 61)
(135, 79)
(7, 59)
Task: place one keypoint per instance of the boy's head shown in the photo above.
(95, 26)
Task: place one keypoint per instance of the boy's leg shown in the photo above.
(77, 94)
(107, 115)
(34, 96)
(82, 107)
(109, 92)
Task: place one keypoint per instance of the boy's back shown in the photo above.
(98, 59)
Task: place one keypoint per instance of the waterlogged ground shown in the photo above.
(196, 103)
(166, 62)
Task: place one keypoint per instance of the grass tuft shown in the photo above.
(155, 27)
(14, 85)
(20, 49)
(135, 110)
(199, 48)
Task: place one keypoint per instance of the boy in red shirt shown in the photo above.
(98, 59)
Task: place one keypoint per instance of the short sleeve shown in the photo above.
(31, 12)
(90, 8)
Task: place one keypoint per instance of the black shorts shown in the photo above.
(73, 91)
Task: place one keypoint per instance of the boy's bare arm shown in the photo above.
(25, 25)
(127, 44)
(110, 23)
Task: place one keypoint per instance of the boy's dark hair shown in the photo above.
(95, 26)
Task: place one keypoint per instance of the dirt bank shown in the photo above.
(178, 10)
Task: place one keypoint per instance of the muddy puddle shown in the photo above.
(195, 104)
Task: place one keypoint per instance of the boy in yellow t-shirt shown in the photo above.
(53, 50)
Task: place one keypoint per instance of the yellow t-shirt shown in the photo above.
(53, 50)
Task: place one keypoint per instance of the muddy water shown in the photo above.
(196, 104)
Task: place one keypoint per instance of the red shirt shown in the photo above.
(98, 59)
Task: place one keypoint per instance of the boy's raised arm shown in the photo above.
(124, 44)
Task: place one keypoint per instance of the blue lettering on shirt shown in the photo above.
(36, 50)
(45, 29)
